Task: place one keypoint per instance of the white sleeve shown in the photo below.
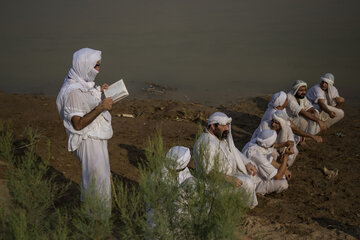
(265, 169)
(293, 108)
(315, 93)
(75, 105)
(307, 104)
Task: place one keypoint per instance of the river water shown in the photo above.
(207, 51)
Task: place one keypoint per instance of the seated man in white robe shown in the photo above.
(325, 98)
(301, 111)
(280, 101)
(285, 136)
(87, 121)
(272, 176)
(215, 147)
(176, 164)
(175, 168)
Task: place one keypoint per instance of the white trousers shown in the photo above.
(249, 186)
(331, 121)
(94, 157)
(306, 125)
(265, 187)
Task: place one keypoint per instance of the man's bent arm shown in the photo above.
(281, 167)
(308, 115)
(302, 133)
(323, 106)
(82, 122)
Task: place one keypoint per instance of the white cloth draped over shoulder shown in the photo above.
(240, 159)
(177, 158)
(231, 161)
(278, 99)
(78, 96)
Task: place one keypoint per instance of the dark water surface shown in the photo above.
(209, 51)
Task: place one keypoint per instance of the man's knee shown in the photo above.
(340, 100)
(248, 184)
(282, 185)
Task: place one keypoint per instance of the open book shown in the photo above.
(116, 91)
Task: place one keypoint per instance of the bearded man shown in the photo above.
(88, 124)
(301, 112)
(325, 98)
(215, 151)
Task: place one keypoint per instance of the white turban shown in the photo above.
(278, 99)
(179, 157)
(266, 138)
(285, 131)
(330, 80)
(220, 118)
(297, 84)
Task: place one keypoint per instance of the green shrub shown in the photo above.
(204, 207)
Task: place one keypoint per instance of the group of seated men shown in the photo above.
(262, 166)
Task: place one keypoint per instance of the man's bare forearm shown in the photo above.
(308, 115)
(323, 106)
(82, 122)
(298, 131)
(281, 167)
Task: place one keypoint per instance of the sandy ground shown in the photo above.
(313, 207)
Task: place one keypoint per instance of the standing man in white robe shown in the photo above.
(215, 146)
(272, 176)
(301, 111)
(325, 98)
(88, 124)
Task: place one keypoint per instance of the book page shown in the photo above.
(116, 91)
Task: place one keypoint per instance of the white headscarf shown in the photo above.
(278, 99)
(285, 131)
(178, 158)
(330, 80)
(80, 76)
(297, 84)
(266, 138)
(223, 119)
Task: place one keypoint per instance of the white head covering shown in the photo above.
(80, 76)
(223, 119)
(220, 118)
(296, 85)
(178, 158)
(266, 138)
(285, 131)
(278, 99)
(330, 80)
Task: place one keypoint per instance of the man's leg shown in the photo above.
(301, 123)
(272, 185)
(249, 187)
(94, 158)
(331, 121)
